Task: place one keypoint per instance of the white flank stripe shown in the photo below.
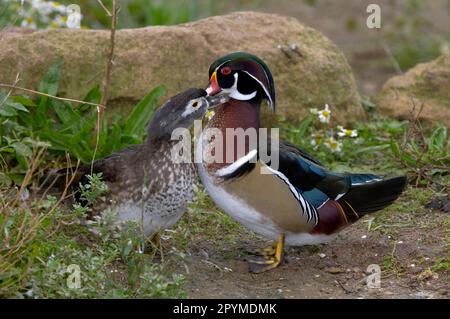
(308, 209)
(230, 169)
(286, 180)
(338, 197)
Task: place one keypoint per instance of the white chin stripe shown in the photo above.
(230, 169)
(235, 94)
(209, 90)
(242, 97)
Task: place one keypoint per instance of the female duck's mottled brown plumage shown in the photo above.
(145, 184)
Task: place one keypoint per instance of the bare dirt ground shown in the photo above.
(409, 244)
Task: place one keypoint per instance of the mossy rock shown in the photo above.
(425, 88)
(179, 56)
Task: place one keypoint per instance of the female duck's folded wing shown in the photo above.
(112, 168)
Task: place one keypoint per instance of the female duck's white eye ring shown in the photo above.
(192, 107)
(195, 104)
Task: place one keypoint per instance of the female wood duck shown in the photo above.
(145, 184)
(301, 202)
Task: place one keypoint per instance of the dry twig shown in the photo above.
(107, 76)
(14, 87)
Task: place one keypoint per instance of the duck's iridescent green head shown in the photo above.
(243, 76)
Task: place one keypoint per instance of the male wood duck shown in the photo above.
(301, 202)
(145, 184)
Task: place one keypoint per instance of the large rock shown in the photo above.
(179, 56)
(426, 84)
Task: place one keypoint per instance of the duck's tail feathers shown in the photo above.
(370, 196)
(358, 179)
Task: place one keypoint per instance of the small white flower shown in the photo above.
(28, 23)
(343, 132)
(57, 7)
(317, 138)
(325, 114)
(314, 111)
(332, 144)
(59, 21)
(36, 4)
(43, 7)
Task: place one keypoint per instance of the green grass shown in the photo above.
(442, 264)
(41, 240)
(411, 39)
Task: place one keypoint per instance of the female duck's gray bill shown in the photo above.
(217, 100)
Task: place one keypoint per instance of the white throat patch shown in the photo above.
(235, 94)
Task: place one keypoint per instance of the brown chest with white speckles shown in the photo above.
(146, 185)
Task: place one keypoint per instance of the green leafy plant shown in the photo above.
(422, 153)
(41, 239)
(315, 134)
(424, 157)
(93, 189)
(64, 127)
(44, 14)
(141, 13)
(411, 39)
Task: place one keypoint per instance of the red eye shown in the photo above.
(226, 70)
